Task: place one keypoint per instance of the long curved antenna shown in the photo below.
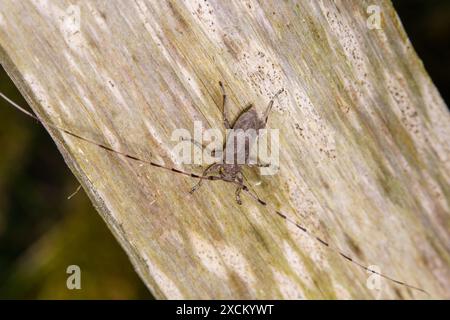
(326, 244)
(105, 147)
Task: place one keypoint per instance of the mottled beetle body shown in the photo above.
(249, 123)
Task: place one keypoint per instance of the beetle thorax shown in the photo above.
(229, 171)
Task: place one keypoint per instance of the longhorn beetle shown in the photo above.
(247, 120)
(247, 115)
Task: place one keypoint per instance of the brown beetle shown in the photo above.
(247, 121)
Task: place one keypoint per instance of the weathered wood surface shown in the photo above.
(364, 139)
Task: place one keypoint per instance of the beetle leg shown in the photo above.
(226, 123)
(240, 179)
(269, 107)
(213, 167)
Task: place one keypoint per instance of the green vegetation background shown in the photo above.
(41, 232)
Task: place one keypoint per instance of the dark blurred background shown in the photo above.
(427, 23)
(42, 232)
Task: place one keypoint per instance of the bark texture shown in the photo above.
(364, 140)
